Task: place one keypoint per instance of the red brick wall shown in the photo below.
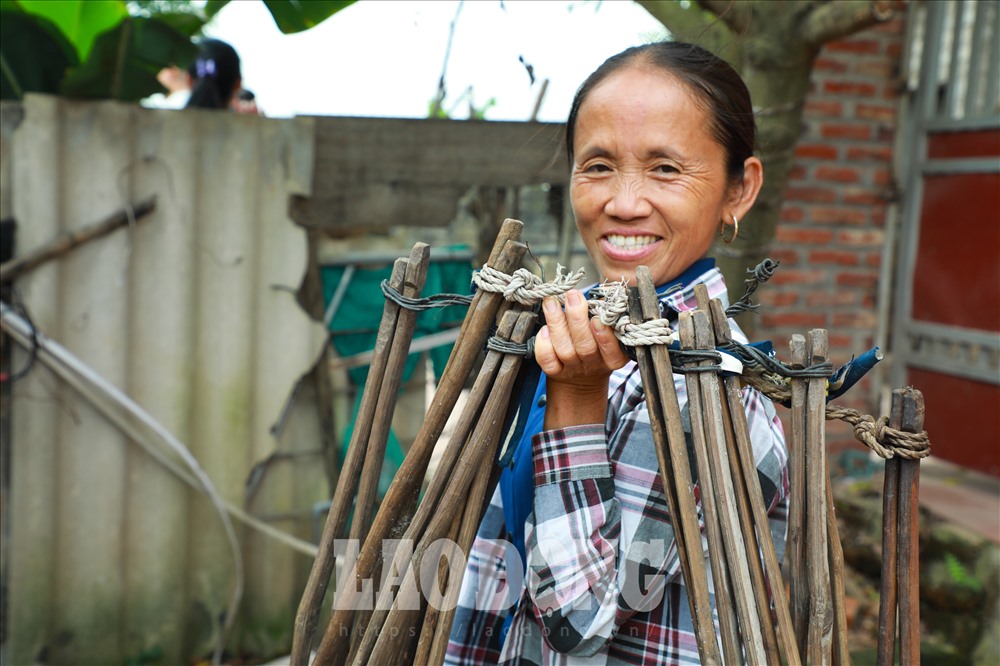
(830, 240)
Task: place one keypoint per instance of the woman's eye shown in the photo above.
(666, 168)
(598, 168)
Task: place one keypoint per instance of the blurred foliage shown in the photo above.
(291, 15)
(113, 49)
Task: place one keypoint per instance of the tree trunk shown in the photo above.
(773, 46)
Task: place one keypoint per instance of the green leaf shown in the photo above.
(181, 14)
(125, 60)
(34, 55)
(80, 20)
(212, 7)
(298, 15)
(184, 23)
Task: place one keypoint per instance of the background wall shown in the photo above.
(832, 239)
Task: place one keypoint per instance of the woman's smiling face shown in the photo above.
(649, 183)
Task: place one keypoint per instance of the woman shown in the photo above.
(211, 82)
(215, 75)
(660, 140)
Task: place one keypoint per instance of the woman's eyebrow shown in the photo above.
(595, 151)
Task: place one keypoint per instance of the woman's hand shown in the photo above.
(578, 355)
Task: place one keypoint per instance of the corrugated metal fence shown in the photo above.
(111, 558)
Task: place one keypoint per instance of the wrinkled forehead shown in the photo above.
(635, 92)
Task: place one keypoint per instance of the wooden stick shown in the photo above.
(744, 454)
(728, 624)
(820, 649)
(474, 405)
(413, 283)
(732, 537)
(841, 649)
(379, 645)
(319, 576)
(886, 651)
(675, 468)
(482, 490)
(69, 240)
(720, 329)
(402, 494)
(433, 614)
(795, 549)
(908, 540)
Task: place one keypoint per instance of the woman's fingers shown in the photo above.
(570, 342)
(545, 354)
(611, 351)
(578, 320)
(559, 334)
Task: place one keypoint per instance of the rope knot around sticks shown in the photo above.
(885, 441)
(609, 302)
(523, 286)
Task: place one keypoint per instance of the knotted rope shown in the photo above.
(523, 286)
(609, 303)
(879, 437)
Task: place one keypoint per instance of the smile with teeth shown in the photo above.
(630, 242)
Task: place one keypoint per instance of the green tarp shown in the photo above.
(356, 321)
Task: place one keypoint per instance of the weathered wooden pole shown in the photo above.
(675, 468)
(795, 548)
(413, 283)
(380, 643)
(899, 587)
(343, 497)
(820, 634)
(747, 472)
(724, 604)
(732, 536)
(401, 497)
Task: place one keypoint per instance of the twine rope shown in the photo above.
(525, 287)
(609, 303)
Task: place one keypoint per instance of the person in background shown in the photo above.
(660, 140)
(213, 81)
(214, 75)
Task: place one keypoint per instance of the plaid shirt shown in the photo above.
(603, 583)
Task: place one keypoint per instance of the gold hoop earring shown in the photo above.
(736, 231)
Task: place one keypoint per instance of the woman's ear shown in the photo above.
(745, 194)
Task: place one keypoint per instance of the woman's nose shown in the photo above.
(628, 199)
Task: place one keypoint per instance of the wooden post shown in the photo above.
(474, 405)
(732, 537)
(900, 540)
(820, 636)
(402, 494)
(675, 468)
(413, 283)
(785, 638)
(795, 549)
(728, 624)
(343, 497)
(380, 642)
(908, 544)
(483, 489)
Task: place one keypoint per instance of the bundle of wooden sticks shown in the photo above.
(759, 621)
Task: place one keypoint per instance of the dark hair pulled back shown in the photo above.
(712, 80)
(215, 73)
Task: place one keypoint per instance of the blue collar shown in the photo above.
(692, 273)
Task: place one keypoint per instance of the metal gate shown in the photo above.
(946, 333)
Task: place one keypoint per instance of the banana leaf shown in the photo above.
(125, 60)
(34, 54)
